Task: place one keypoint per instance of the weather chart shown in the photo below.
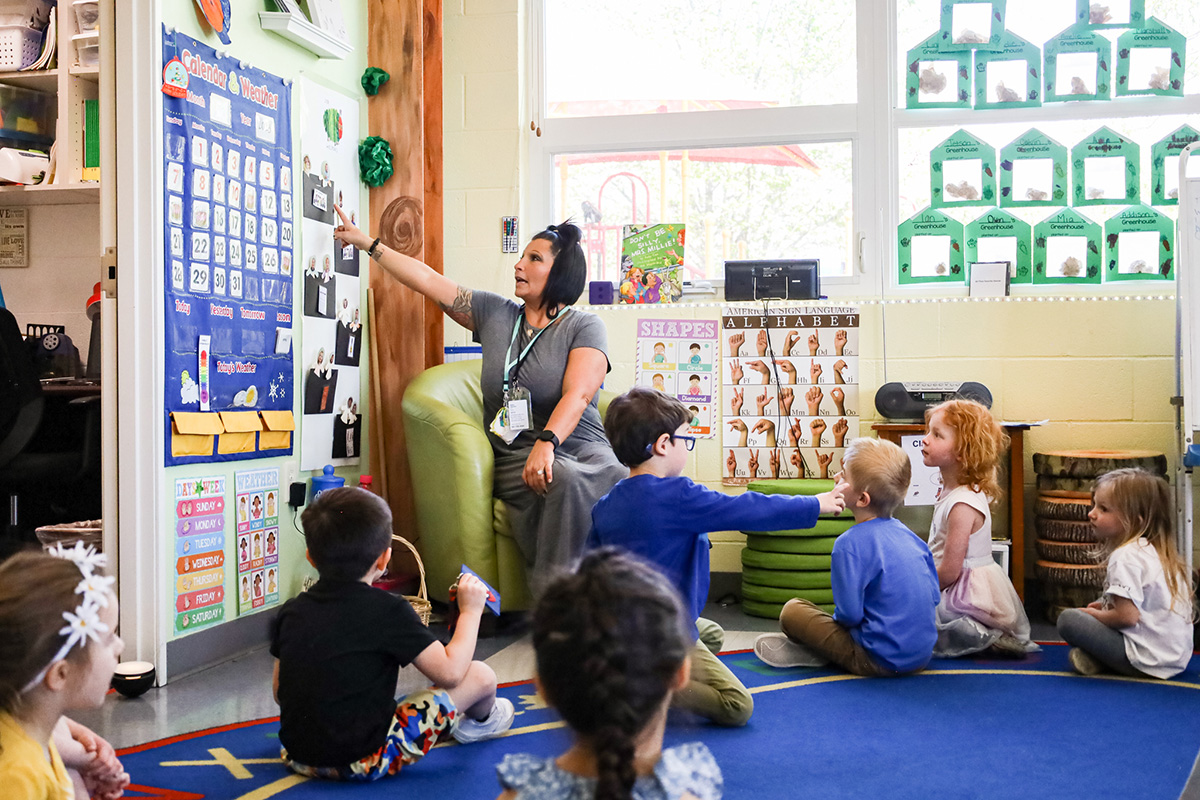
(228, 240)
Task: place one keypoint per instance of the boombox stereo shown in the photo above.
(910, 400)
(779, 279)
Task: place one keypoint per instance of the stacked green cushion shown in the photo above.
(780, 565)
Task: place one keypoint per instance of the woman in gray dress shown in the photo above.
(543, 364)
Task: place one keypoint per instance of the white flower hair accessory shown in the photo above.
(84, 623)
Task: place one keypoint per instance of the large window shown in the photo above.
(761, 165)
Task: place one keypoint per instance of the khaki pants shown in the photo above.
(818, 631)
(713, 691)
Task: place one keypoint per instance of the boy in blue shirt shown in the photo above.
(666, 518)
(885, 587)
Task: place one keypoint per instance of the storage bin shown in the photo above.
(26, 115)
(19, 46)
(87, 48)
(26, 13)
(87, 14)
(67, 534)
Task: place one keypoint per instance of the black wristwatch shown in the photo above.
(548, 435)
(372, 248)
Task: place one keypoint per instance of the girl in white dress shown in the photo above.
(979, 609)
(1142, 625)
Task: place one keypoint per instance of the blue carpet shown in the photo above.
(962, 729)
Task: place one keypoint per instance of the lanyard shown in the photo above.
(517, 361)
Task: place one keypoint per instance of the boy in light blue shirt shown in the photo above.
(885, 586)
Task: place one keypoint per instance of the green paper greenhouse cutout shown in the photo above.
(962, 172)
(999, 236)
(1140, 245)
(1150, 60)
(1066, 249)
(1110, 13)
(1076, 66)
(936, 78)
(1104, 170)
(1010, 77)
(1164, 165)
(930, 248)
(972, 24)
(1033, 171)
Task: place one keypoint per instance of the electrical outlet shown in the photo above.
(288, 473)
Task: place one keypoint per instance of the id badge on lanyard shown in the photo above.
(516, 412)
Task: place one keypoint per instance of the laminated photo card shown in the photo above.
(937, 78)
(1076, 66)
(1110, 13)
(930, 248)
(962, 172)
(972, 24)
(1066, 249)
(1150, 60)
(999, 236)
(1033, 171)
(1139, 244)
(1164, 165)
(1010, 77)
(1104, 170)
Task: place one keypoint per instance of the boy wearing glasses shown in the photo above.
(665, 518)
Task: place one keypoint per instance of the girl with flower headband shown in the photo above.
(58, 650)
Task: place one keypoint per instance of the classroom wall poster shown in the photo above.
(228, 241)
(678, 357)
(789, 390)
(199, 577)
(257, 516)
(333, 332)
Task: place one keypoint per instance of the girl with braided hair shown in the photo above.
(612, 644)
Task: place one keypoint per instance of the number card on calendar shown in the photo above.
(789, 377)
(226, 137)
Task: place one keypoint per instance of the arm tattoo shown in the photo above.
(460, 309)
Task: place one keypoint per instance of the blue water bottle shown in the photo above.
(327, 480)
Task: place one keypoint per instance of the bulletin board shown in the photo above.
(790, 390)
(227, 170)
(333, 318)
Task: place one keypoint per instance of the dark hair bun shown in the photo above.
(569, 234)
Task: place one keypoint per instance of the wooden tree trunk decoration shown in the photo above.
(405, 38)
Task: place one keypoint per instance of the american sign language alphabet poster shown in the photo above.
(257, 516)
(228, 242)
(678, 357)
(199, 552)
(790, 394)
(333, 313)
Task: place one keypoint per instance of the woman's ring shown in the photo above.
(541, 472)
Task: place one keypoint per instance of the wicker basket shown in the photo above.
(420, 603)
(68, 533)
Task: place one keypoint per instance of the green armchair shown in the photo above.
(451, 462)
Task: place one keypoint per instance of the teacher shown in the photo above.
(543, 364)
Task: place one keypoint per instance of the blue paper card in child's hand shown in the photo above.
(493, 597)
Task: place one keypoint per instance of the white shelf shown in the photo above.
(87, 73)
(43, 80)
(1118, 108)
(303, 33)
(54, 194)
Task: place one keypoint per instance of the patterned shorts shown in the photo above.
(422, 720)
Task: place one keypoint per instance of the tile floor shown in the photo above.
(240, 690)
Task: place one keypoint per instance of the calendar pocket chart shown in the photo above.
(227, 127)
(789, 378)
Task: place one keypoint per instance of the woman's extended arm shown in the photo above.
(586, 368)
(455, 300)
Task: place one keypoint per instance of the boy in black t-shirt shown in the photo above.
(340, 645)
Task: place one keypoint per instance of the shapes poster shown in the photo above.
(199, 577)
(679, 357)
(333, 308)
(789, 390)
(227, 172)
(257, 516)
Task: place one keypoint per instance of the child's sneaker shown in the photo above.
(498, 720)
(777, 650)
(1083, 662)
(1007, 646)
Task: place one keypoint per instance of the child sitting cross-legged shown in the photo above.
(665, 518)
(340, 645)
(885, 587)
